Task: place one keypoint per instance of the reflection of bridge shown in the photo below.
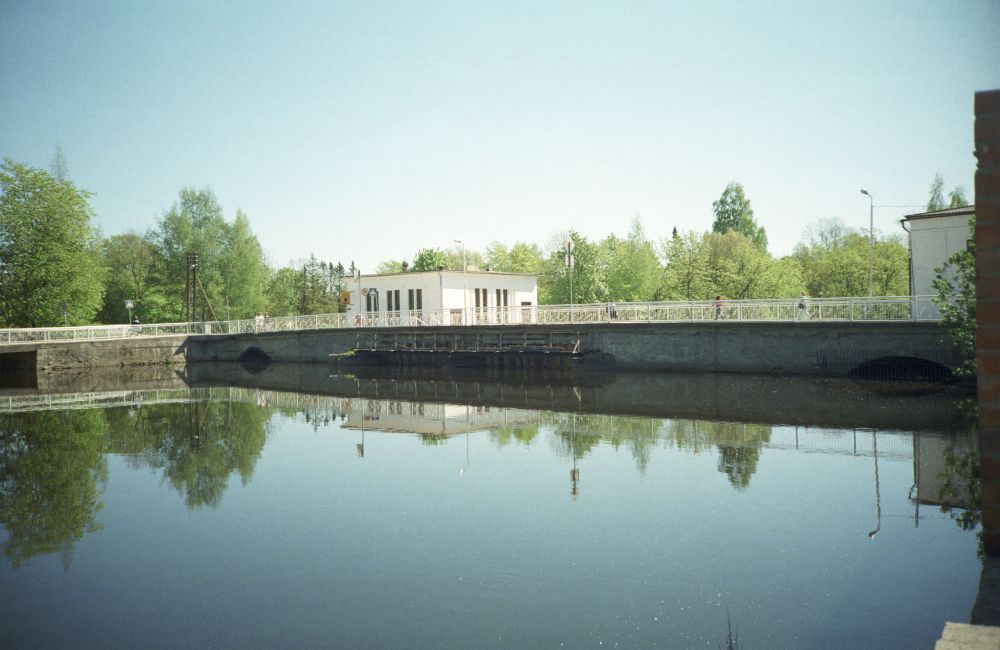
(420, 417)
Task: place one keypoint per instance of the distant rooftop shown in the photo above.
(968, 210)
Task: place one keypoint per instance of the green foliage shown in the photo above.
(936, 192)
(738, 269)
(686, 275)
(519, 258)
(589, 275)
(198, 446)
(391, 266)
(431, 259)
(733, 212)
(49, 252)
(320, 287)
(135, 272)
(955, 283)
(633, 268)
(956, 197)
(231, 267)
(836, 259)
(284, 292)
(243, 271)
(53, 469)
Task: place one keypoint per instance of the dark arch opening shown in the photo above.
(901, 368)
(254, 359)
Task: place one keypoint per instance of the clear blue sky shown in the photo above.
(367, 130)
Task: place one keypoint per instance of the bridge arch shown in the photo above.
(901, 368)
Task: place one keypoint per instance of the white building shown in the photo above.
(441, 298)
(934, 237)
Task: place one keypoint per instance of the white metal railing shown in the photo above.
(905, 308)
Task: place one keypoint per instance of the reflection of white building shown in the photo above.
(441, 297)
(934, 237)
(430, 419)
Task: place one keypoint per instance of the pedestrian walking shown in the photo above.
(718, 306)
(803, 307)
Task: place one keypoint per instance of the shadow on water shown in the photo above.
(802, 401)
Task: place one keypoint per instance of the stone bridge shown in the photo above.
(818, 348)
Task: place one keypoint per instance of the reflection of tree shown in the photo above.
(198, 445)
(960, 483)
(738, 463)
(51, 466)
(504, 436)
(739, 448)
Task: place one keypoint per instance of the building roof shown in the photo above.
(414, 273)
(964, 211)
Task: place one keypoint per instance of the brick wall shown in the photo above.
(987, 135)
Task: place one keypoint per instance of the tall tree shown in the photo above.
(243, 270)
(956, 198)
(733, 212)
(50, 270)
(58, 166)
(633, 269)
(193, 224)
(134, 273)
(685, 276)
(936, 192)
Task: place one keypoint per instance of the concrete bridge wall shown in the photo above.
(800, 348)
(794, 348)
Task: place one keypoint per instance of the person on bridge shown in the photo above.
(718, 306)
(803, 310)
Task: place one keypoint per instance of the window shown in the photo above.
(392, 300)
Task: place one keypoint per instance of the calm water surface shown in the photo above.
(254, 517)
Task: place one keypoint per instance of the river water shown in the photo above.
(291, 508)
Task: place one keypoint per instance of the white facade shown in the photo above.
(934, 237)
(441, 298)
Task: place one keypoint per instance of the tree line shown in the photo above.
(56, 268)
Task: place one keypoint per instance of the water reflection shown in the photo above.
(54, 465)
(678, 497)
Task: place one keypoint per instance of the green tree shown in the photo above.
(733, 212)
(685, 276)
(392, 266)
(134, 272)
(49, 251)
(633, 269)
(431, 259)
(955, 283)
(738, 269)
(936, 191)
(244, 272)
(284, 292)
(193, 224)
(589, 274)
(956, 198)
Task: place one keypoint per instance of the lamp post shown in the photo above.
(871, 238)
(570, 263)
(465, 283)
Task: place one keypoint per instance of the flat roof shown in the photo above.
(411, 273)
(965, 210)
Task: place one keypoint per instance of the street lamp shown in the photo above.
(570, 263)
(871, 237)
(465, 282)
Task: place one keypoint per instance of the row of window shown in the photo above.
(415, 300)
(483, 294)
